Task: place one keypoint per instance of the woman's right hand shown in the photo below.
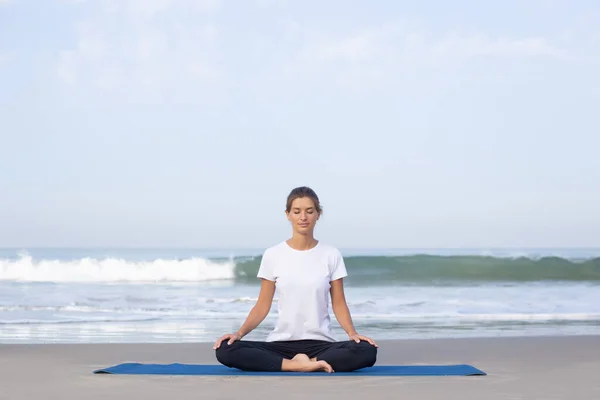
(231, 337)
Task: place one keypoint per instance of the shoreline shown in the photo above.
(136, 341)
(395, 340)
(541, 367)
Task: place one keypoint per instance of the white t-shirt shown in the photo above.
(302, 281)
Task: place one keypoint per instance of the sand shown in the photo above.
(529, 368)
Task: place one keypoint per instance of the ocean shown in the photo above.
(187, 295)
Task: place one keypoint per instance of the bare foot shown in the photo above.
(301, 363)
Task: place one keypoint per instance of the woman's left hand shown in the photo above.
(357, 338)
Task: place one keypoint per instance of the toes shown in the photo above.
(326, 366)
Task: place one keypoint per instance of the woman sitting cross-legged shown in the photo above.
(305, 272)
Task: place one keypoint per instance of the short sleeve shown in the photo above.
(266, 269)
(338, 269)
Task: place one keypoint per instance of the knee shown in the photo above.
(224, 353)
(371, 355)
(367, 351)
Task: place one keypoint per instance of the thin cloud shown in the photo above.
(462, 47)
(126, 49)
(375, 55)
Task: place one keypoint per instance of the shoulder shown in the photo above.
(331, 253)
(330, 249)
(274, 250)
(335, 261)
(270, 259)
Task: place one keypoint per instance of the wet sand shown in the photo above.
(518, 368)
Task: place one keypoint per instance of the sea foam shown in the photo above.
(109, 270)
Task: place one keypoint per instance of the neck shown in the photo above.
(302, 242)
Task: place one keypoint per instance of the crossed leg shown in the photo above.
(268, 356)
(347, 356)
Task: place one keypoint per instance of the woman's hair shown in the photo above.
(303, 191)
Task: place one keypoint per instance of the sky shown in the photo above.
(164, 123)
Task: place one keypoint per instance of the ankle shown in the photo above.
(290, 365)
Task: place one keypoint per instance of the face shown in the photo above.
(303, 215)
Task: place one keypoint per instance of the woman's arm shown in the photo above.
(340, 307)
(261, 309)
(255, 316)
(342, 313)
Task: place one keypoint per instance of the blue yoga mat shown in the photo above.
(378, 370)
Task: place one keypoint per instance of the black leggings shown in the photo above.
(268, 356)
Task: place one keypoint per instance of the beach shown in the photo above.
(530, 320)
(517, 368)
(180, 296)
